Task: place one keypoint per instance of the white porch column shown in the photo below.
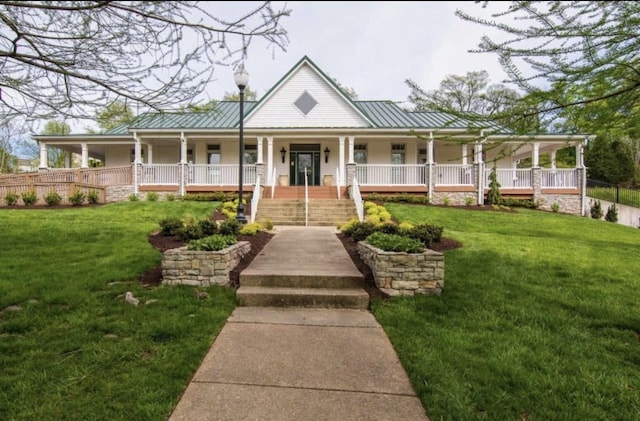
(553, 159)
(43, 156)
(536, 155)
(430, 149)
(464, 154)
(183, 163)
(137, 151)
(85, 156)
(351, 147)
(579, 156)
(149, 153)
(341, 159)
(259, 150)
(183, 148)
(478, 157)
(270, 159)
(67, 160)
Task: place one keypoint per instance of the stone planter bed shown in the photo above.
(202, 268)
(404, 273)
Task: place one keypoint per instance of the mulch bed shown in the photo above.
(258, 241)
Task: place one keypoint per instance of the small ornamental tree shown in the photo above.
(596, 209)
(612, 213)
(494, 197)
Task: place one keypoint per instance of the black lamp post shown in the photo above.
(241, 78)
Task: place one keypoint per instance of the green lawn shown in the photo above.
(76, 350)
(539, 319)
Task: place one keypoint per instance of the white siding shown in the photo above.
(115, 156)
(166, 154)
(331, 110)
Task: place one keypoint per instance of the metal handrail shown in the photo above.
(273, 182)
(257, 192)
(338, 181)
(357, 199)
(306, 198)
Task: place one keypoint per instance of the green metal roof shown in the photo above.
(224, 116)
(386, 114)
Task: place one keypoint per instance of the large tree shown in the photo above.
(473, 97)
(546, 46)
(56, 156)
(116, 113)
(70, 58)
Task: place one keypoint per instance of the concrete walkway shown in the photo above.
(301, 363)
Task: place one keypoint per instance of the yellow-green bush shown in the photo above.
(405, 226)
(251, 229)
(373, 219)
(349, 224)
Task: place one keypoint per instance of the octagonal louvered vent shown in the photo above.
(305, 103)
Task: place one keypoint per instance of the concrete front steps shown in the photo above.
(322, 212)
(313, 291)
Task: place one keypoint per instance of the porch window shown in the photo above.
(360, 154)
(133, 154)
(190, 156)
(398, 153)
(250, 154)
(422, 156)
(213, 154)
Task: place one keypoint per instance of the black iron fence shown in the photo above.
(613, 193)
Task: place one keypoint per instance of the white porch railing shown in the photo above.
(257, 192)
(160, 174)
(511, 178)
(220, 175)
(102, 176)
(453, 175)
(338, 181)
(559, 178)
(391, 175)
(357, 199)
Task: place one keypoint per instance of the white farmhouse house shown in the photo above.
(306, 127)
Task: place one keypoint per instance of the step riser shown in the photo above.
(288, 281)
(315, 301)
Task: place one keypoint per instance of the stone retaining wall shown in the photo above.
(202, 268)
(404, 273)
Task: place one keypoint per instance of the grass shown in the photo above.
(76, 350)
(538, 319)
(623, 196)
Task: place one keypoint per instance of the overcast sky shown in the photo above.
(372, 47)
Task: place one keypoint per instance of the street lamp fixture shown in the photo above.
(241, 78)
(326, 154)
(283, 152)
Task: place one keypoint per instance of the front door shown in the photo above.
(305, 159)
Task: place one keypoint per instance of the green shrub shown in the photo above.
(468, 201)
(596, 210)
(362, 230)
(170, 197)
(208, 226)
(208, 197)
(133, 197)
(425, 233)
(93, 196)
(398, 198)
(373, 219)
(555, 207)
(77, 198)
(393, 242)
(190, 232)
(152, 196)
(251, 229)
(388, 228)
(53, 198)
(170, 226)
(612, 213)
(29, 198)
(230, 227)
(212, 243)
(11, 198)
(446, 201)
(521, 203)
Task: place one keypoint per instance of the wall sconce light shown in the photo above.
(283, 152)
(326, 154)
